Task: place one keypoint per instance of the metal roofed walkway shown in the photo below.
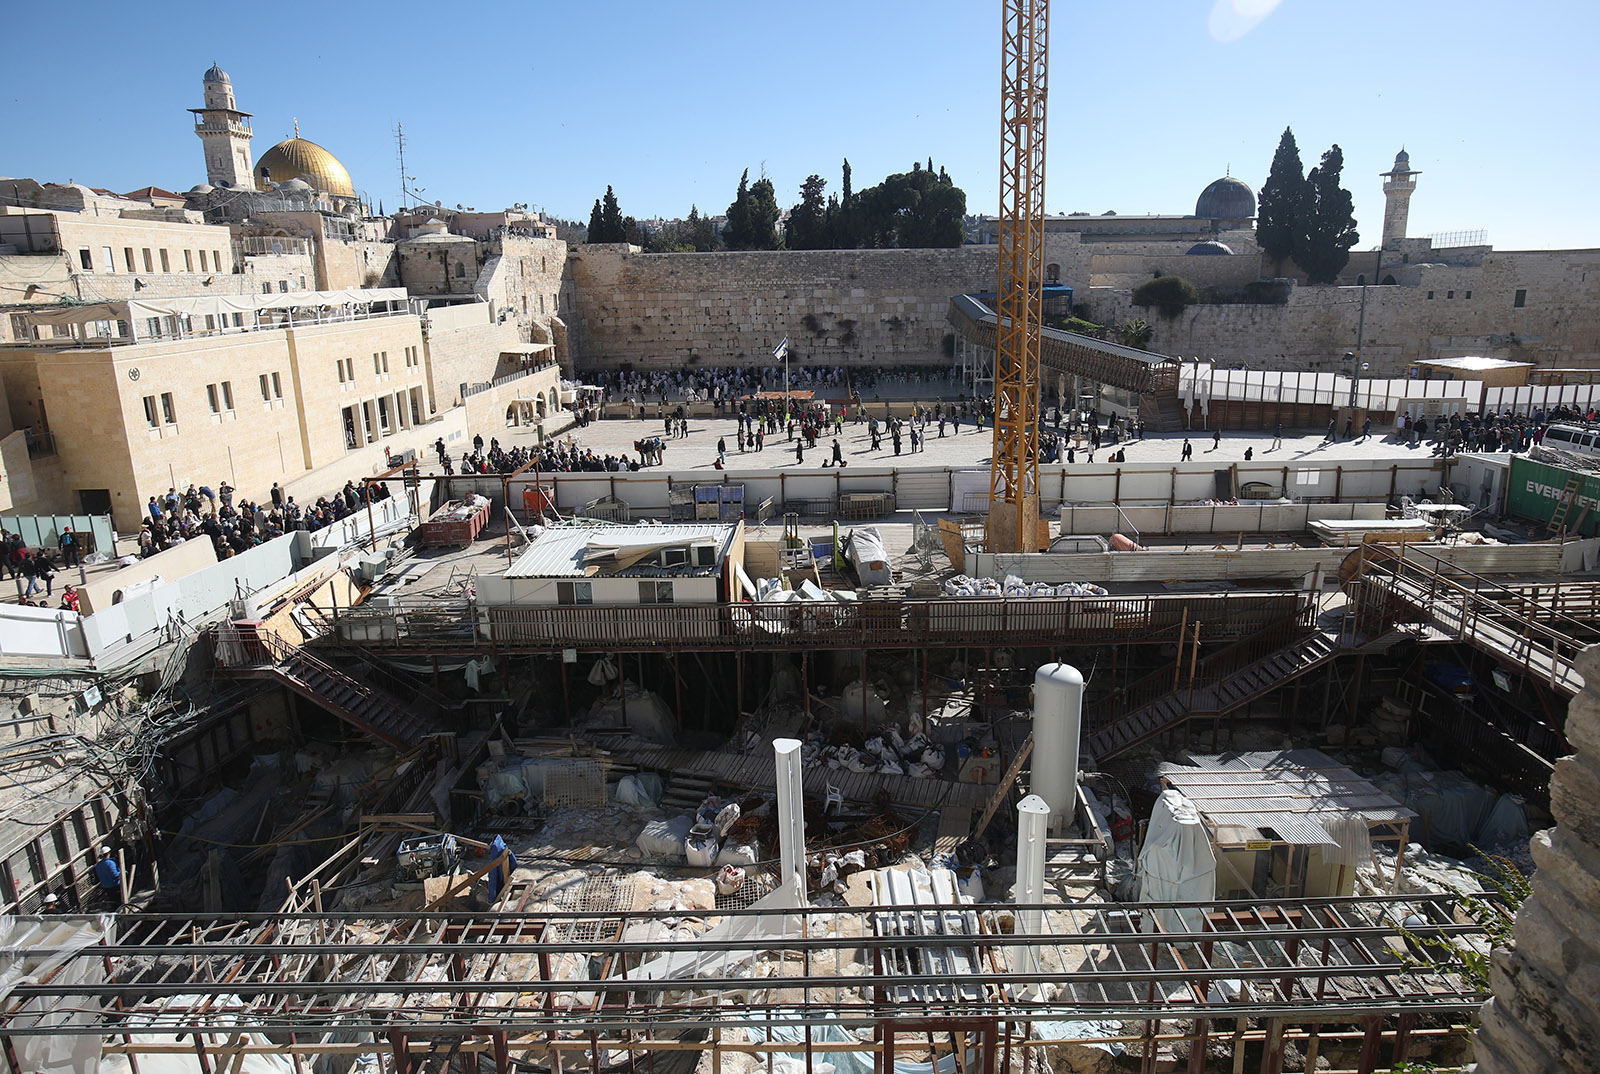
(480, 983)
(1123, 367)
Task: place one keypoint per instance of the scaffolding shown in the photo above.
(554, 986)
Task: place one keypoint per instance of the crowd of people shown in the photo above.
(562, 455)
(232, 528)
(727, 383)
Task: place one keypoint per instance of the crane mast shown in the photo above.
(1014, 467)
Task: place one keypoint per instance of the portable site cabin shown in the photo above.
(1289, 823)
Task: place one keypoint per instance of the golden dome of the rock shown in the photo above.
(298, 158)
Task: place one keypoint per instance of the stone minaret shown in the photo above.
(1399, 183)
(225, 131)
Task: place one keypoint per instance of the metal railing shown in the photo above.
(867, 624)
(1416, 586)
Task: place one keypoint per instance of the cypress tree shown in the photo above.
(1281, 210)
(1330, 229)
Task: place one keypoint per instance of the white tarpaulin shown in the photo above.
(1177, 863)
(34, 948)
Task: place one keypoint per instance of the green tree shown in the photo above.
(611, 228)
(1169, 294)
(738, 228)
(807, 228)
(595, 223)
(1330, 221)
(632, 232)
(702, 235)
(842, 216)
(913, 210)
(753, 216)
(1281, 206)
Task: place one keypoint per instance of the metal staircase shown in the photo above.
(1223, 682)
(401, 722)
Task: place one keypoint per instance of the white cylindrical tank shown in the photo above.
(1057, 724)
(1033, 818)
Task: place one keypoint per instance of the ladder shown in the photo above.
(1569, 497)
(1004, 786)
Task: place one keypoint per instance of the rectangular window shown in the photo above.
(1430, 294)
(302, 283)
(283, 287)
(386, 361)
(1449, 294)
(575, 592)
(1469, 294)
(203, 262)
(106, 259)
(188, 261)
(211, 397)
(150, 418)
(266, 288)
(266, 396)
(169, 414)
(1520, 300)
(277, 387)
(127, 257)
(227, 395)
(211, 322)
(85, 260)
(375, 367)
(653, 592)
(149, 262)
(340, 367)
(166, 263)
(383, 414)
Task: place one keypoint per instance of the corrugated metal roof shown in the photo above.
(1283, 790)
(560, 553)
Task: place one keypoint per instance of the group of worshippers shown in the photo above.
(201, 512)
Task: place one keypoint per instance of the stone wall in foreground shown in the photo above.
(1545, 1014)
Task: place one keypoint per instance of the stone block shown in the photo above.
(1547, 1013)
(1575, 798)
(1554, 853)
(1513, 1049)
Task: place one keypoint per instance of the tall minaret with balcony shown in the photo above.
(225, 131)
(1400, 182)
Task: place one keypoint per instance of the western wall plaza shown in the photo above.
(436, 640)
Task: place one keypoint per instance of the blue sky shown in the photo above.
(547, 103)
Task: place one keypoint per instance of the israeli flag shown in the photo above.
(781, 351)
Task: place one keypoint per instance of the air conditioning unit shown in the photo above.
(369, 567)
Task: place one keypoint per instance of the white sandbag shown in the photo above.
(738, 854)
(701, 845)
(643, 789)
(664, 838)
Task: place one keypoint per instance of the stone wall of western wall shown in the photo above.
(845, 307)
(1545, 1014)
(1451, 311)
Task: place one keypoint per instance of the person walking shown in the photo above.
(1216, 439)
(1188, 451)
(1277, 437)
(838, 455)
(1332, 436)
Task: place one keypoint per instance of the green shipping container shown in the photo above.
(1535, 492)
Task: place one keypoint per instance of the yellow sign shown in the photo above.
(1258, 844)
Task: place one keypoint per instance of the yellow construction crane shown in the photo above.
(1014, 469)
